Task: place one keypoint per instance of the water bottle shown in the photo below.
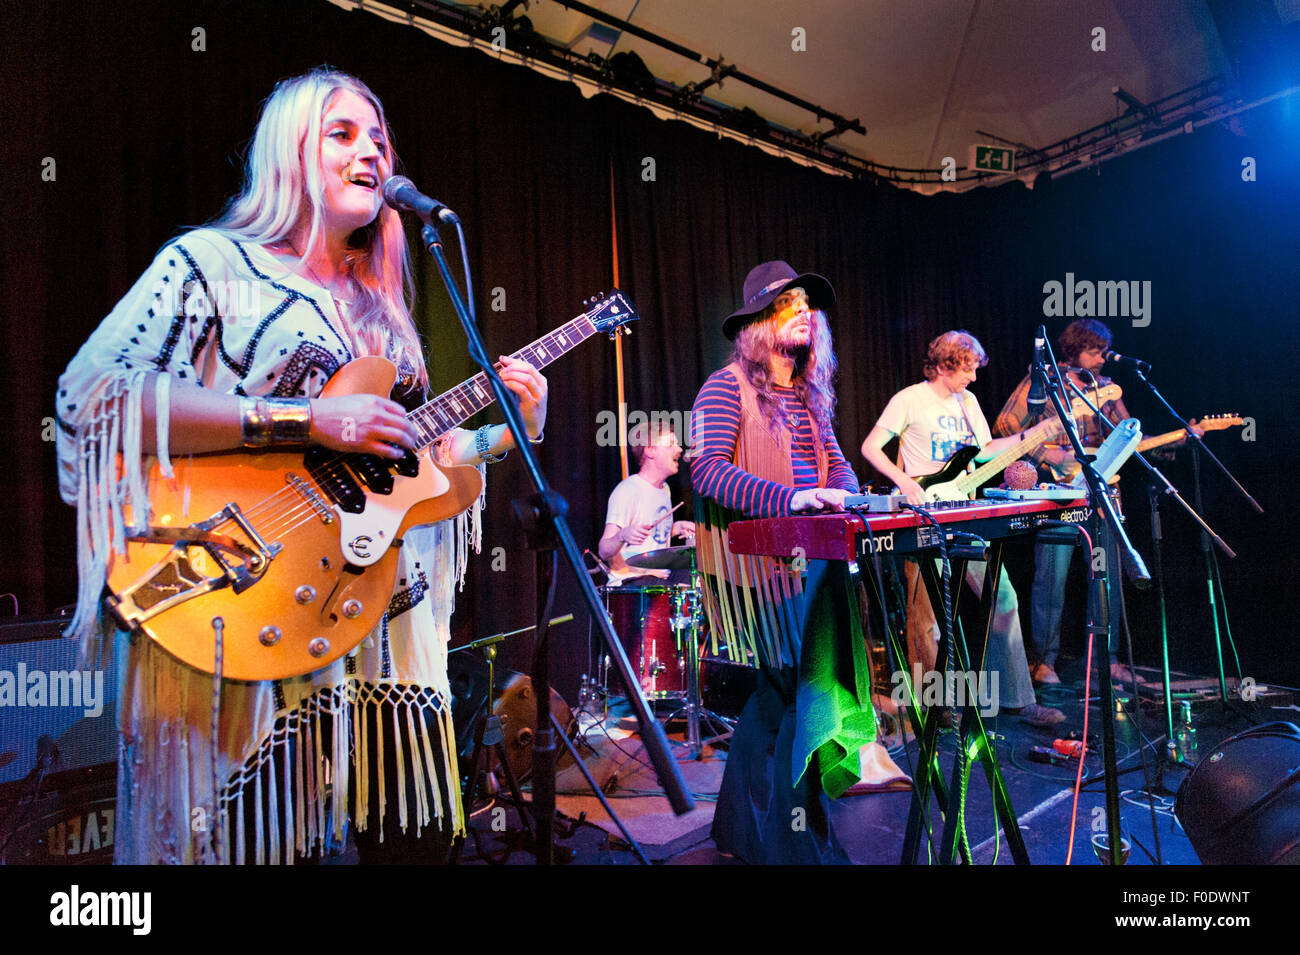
(1186, 734)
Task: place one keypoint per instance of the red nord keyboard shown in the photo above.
(844, 536)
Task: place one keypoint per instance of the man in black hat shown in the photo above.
(764, 447)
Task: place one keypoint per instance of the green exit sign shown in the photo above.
(992, 158)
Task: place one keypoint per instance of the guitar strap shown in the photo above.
(961, 400)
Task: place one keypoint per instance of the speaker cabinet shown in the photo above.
(1240, 804)
(55, 713)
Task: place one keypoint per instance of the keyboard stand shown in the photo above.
(972, 737)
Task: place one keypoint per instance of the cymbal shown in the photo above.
(666, 558)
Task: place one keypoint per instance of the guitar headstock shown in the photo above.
(611, 313)
(1098, 396)
(1217, 422)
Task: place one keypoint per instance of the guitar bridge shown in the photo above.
(177, 577)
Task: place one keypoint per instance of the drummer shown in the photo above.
(640, 513)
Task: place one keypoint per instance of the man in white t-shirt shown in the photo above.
(639, 516)
(932, 419)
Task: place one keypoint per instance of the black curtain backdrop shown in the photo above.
(147, 136)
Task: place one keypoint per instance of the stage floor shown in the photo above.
(872, 827)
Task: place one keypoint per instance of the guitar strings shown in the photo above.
(289, 508)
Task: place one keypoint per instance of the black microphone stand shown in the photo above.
(1160, 486)
(1213, 579)
(1104, 516)
(542, 517)
(1157, 787)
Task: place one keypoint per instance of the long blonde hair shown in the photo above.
(282, 174)
(814, 370)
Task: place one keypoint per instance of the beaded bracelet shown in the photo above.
(484, 447)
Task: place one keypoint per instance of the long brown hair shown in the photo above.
(814, 370)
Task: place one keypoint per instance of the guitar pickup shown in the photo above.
(176, 578)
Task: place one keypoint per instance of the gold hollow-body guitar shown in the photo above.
(296, 553)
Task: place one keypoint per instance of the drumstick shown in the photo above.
(669, 514)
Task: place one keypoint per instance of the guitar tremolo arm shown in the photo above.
(177, 577)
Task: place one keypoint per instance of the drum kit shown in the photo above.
(662, 629)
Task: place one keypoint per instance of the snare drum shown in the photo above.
(653, 625)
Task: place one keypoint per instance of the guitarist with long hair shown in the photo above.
(1083, 345)
(933, 419)
(225, 343)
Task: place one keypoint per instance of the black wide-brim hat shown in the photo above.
(765, 282)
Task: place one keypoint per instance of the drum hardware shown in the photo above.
(694, 706)
(508, 731)
(681, 557)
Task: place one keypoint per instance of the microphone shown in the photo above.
(1037, 400)
(1132, 362)
(401, 194)
(47, 754)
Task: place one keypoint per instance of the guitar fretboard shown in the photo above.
(438, 416)
(1033, 438)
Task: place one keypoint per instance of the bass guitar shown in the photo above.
(954, 483)
(296, 553)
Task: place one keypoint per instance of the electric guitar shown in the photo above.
(1209, 423)
(1072, 473)
(297, 552)
(954, 483)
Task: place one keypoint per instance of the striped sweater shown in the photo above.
(715, 422)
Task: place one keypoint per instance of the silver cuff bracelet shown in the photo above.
(274, 421)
